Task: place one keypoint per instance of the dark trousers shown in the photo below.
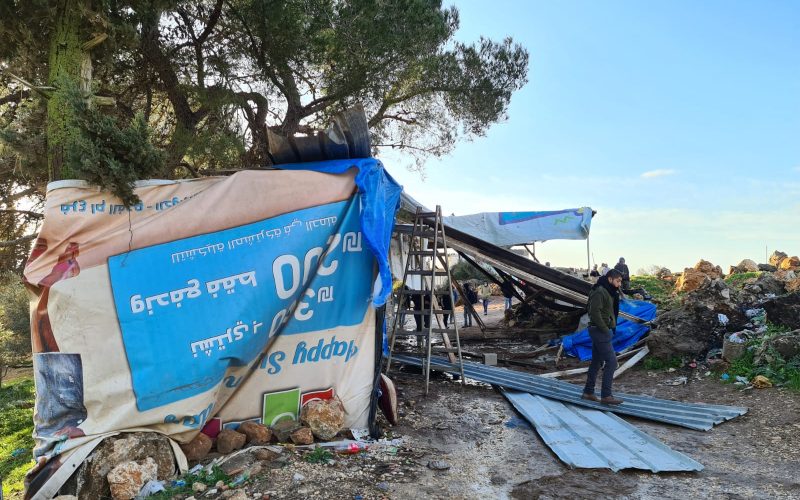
(602, 355)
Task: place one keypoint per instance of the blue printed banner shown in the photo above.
(191, 308)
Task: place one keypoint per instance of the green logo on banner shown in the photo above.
(281, 405)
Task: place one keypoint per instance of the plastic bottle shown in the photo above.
(350, 448)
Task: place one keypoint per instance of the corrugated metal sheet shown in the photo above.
(691, 415)
(592, 439)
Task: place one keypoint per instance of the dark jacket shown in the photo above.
(601, 309)
(623, 268)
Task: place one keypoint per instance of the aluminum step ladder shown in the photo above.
(428, 246)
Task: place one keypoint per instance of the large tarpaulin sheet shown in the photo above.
(211, 302)
(519, 228)
(628, 332)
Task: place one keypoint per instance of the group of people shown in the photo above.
(620, 266)
(482, 294)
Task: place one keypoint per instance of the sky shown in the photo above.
(677, 121)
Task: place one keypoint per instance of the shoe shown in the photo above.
(590, 397)
(611, 400)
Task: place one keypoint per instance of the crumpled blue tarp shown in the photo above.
(379, 204)
(628, 332)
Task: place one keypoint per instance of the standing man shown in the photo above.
(508, 293)
(626, 275)
(484, 292)
(603, 310)
(471, 297)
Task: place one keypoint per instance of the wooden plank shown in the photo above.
(644, 351)
(584, 369)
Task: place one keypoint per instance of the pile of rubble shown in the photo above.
(121, 466)
(712, 310)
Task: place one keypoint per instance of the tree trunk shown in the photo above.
(68, 61)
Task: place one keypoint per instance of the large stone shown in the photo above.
(776, 258)
(91, 478)
(197, 449)
(283, 430)
(695, 326)
(256, 433)
(785, 275)
(229, 440)
(790, 264)
(694, 277)
(765, 286)
(664, 274)
(767, 268)
(303, 435)
(793, 286)
(787, 345)
(784, 310)
(325, 418)
(747, 266)
(126, 479)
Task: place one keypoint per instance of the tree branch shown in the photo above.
(18, 241)
(35, 215)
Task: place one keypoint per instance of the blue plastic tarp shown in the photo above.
(380, 201)
(628, 332)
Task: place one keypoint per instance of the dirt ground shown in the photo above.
(493, 453)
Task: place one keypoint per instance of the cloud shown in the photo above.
(797, 168)
(659, 172)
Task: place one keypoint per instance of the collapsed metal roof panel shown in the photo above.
(592, 439)
(690, 415)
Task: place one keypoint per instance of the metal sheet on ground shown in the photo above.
(593, 439)
(690, 415)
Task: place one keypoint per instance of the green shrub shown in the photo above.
(736, 280)
(15, 338)
(16, 433)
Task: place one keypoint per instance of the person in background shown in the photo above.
(508, 293)
(604, 269)
(603, 311)
(594, 273)
(484, 292)
(447, 303)
(626, 274)
(471, 297)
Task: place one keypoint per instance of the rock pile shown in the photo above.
(694, 277)
(121, 465)
(699, 323)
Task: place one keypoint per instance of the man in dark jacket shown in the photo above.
(626, 274)
(603, 311)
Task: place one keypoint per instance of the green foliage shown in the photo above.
(319, 456)
(661, 290)
(15, 339)
(16, 433)
(780, 371)
(464, 271)
(736, 280)
(105, 154)
(662, 364)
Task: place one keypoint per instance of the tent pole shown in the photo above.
(588, 257)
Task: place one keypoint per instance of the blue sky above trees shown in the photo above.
(678, 121)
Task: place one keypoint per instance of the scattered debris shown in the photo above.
(438, 465)
(761, 382)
